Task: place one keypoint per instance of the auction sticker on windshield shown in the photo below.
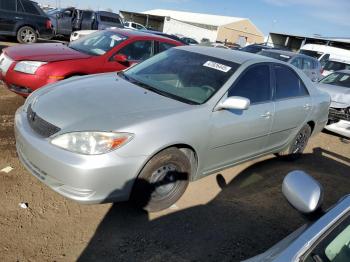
(217, 66)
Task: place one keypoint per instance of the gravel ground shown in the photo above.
(209, 223)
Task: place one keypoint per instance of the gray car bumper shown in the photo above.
(86, 179)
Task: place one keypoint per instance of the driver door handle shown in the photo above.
(267, 115)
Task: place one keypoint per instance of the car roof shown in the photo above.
(288, 53)
(235, 56)
(339, 61)
(138, 33)
(346, 71)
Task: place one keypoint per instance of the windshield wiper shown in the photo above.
(154, 90)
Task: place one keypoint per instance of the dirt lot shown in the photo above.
(207, 224)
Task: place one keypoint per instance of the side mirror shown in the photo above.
(234, 102)
(303, 192)
(120, 58)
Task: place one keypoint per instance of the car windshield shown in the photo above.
(336, 66)
(185, 76)
(338, 79)
(98, 43)
(275, 55)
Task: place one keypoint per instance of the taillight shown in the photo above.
(48, 24)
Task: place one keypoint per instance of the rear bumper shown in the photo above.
(46, 33)
(85, 179)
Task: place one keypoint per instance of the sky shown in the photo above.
(305, 17)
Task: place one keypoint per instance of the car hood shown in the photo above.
(340, 96)
(48, 52)
(100, 102)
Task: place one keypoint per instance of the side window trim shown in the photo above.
(324, 237)
(273, 65)
(242, 74)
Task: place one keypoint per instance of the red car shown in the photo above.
(24, 68)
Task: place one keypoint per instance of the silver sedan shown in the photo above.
(182, 115)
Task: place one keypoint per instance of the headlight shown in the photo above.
(91, 143)
(28, 67)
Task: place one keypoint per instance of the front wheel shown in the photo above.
(26, 35)
(162, 181)
(298, 145)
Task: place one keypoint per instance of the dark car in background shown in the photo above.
(255, 48)
(25, 20)
(309, 65)
(65, 21)
(173, 37)
(189, 41)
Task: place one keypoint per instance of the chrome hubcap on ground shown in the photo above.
(164, 180)
(28, 36)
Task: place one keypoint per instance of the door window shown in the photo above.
(163, 46)
(335, 246)
(254, 84)
(288, 84)
(138, 50)
(8, 5)
(87, 15)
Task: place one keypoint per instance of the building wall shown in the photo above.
(172, 26)
(232, 33)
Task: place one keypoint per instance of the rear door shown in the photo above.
(292, 105)
(8, 16)
(239, 134)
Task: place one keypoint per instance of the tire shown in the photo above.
(298, 144)
(162, 181)
(27, 35)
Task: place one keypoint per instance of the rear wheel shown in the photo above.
(26, 35)
(298, 145)
(162, 181)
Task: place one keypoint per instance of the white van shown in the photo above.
(324, 52)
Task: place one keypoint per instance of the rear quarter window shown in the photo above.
(288, 83)
(30, 8)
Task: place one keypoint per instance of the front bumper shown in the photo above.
(86, 179)
(342, 128)
(339, 114)
(24, 84)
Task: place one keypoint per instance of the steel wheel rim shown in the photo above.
(300, 142)
(27, 36)
(167, 174)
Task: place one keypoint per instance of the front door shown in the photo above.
(65, 22)
(137, 51)
(239, 134)
(8, 15)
